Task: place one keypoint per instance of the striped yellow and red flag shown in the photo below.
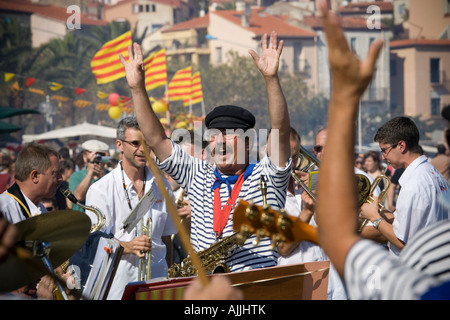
(155, 70)
(106, 65)
(179, 87)
(196, 95)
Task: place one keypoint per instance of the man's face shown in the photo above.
(132, 148)
(390, 154)
(321, 138)
(228, 149)
(50, 180)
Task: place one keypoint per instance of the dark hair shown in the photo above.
(399, 129)
(374, 155)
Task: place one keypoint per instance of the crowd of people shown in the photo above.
(406, 237)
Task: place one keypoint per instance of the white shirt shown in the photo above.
(108, 195)
(417, 204)
(309, 252)
(12, 211)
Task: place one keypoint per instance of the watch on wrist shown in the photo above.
(376, 223)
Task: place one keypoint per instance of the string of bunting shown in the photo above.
(114, 105)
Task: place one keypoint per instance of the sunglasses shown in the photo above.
(318, 148)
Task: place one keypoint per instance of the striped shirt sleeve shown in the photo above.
(371, 273)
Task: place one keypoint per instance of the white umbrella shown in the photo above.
(83, 129)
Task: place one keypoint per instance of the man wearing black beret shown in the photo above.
(214, 189)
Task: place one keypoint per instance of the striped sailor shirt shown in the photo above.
(196, 177)
(424, 264)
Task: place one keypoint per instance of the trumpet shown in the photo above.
(145, 270)
(305, 163)
(369, 198)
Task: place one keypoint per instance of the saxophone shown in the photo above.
(212, 258)
(100, 216)
(96, 227)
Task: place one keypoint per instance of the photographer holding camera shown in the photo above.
(94, 156)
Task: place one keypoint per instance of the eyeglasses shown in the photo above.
(318, 148)
(49, 208)
(384, 150)
(135, 143)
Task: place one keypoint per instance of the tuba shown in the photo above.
(306, 162)
(368, 197)
(100, 216)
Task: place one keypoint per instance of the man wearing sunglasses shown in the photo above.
(118, 193)
(417, 205)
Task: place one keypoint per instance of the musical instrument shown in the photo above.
(306, 162)
(145, 269)
(212, 258)
(54, 236)
(100, 215)
(249, 218)
(368, 197)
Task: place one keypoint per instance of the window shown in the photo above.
(153, 7)
(135, 8)
(219, 54)
(435, 106)
(297, 52)
(393, 67)
(434, 70)
(353, 44)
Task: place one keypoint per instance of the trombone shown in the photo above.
(306, 162)
(145, 270)
(370, 197)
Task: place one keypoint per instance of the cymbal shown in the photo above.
(64, 230)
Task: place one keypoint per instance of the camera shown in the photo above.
(101, 159)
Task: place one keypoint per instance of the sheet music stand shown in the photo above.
(304, 281)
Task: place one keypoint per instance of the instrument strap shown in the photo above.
(16, 194)
(125, 187)
(221, 215)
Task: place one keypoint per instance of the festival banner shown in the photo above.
(106, 64)
(155, 70)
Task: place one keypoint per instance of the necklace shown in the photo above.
(125, 188)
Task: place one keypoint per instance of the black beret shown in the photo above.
(230, 117)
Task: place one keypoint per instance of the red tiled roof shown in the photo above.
(261, 22)
(397, 44)
(54, 12)
(196, 23)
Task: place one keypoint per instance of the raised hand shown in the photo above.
(269, 61)
(134, 68)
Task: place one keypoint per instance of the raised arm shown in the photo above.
(336, 209)
(149, 123)
(268, 64)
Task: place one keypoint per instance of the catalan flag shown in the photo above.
(106, 65)
(196, 95)
(155, 70)
(179, 87)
